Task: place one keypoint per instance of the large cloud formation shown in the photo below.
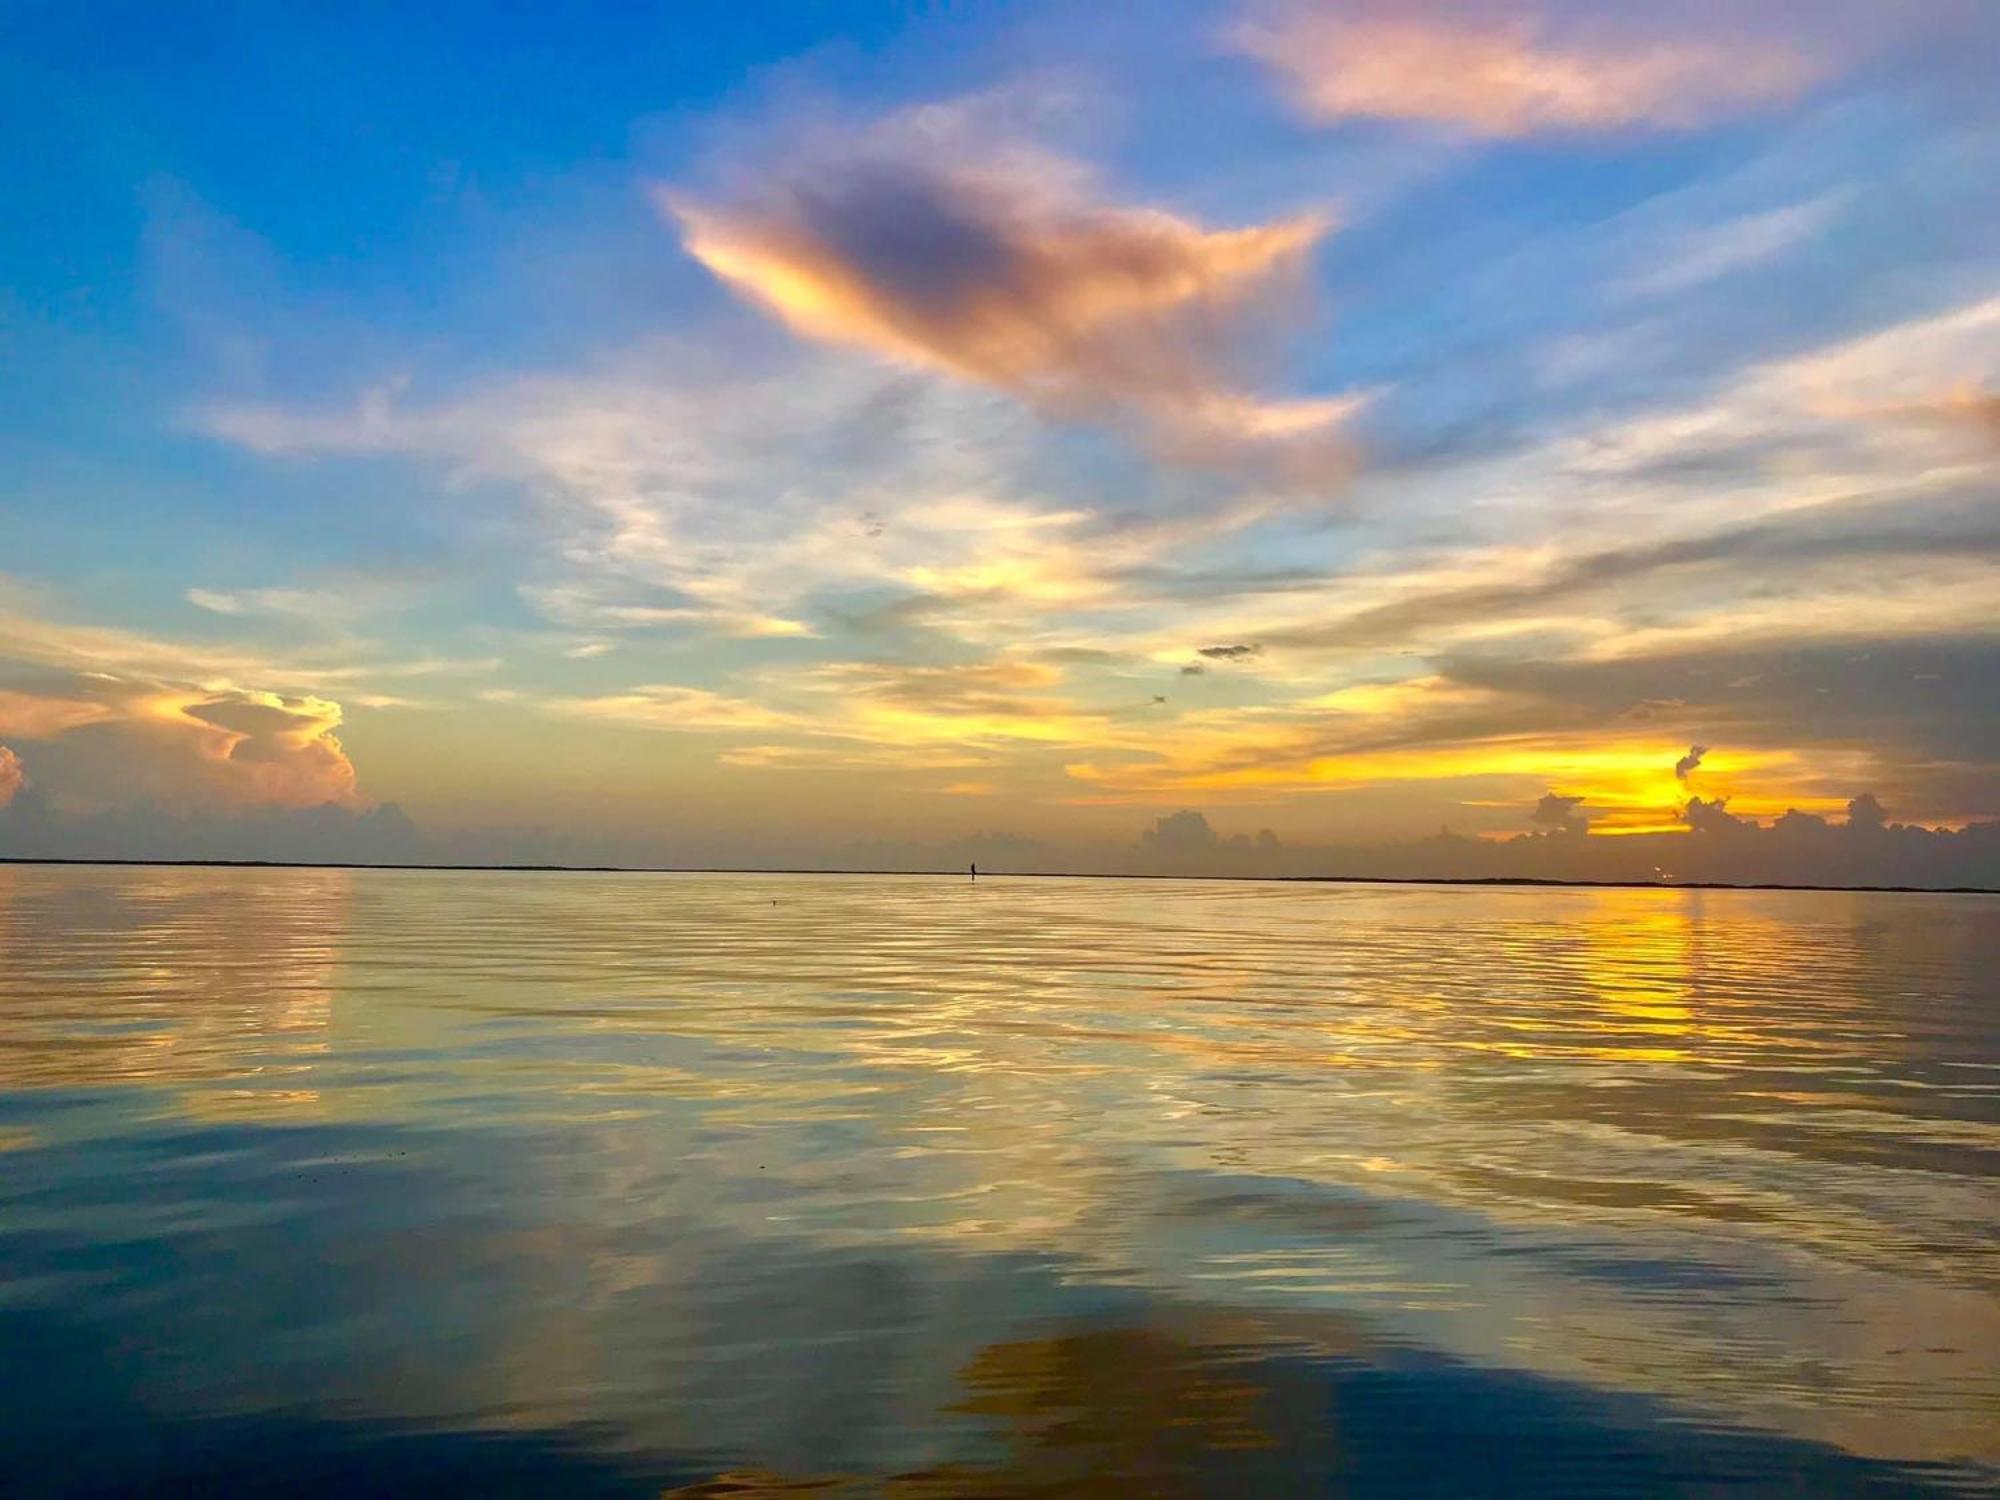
(94, 739)
(998, 266)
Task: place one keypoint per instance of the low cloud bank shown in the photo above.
(33, 827)
(1867, 847)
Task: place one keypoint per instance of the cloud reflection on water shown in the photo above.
(661, 1162)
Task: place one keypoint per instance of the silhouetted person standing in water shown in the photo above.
(975, 871)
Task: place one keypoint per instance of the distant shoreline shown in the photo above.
(1474, 880)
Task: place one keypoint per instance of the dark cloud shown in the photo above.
(1930, 705)
(1713, 816)
(1231, 653)
(1685, 766)
(1966, 525)
(32, 826)
(1718, 847)
(1558, 814)
(1180, 834)
(1186, 843)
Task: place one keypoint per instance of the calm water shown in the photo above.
(355, 1182)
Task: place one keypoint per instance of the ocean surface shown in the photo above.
(366, 1182)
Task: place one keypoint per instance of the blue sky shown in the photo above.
(772, 428)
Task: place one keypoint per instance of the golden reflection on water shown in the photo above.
(1111, 1412)
(223, 994)
(1731, 1150)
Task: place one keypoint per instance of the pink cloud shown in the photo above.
(1505, 70)
(997, 266)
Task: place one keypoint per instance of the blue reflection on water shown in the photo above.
(336, 1181)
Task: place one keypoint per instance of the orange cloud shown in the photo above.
(36, 716)
(11, 776)
(283, 750)
(123, 739)
(1009, 276)
(1506, 72)
(1970, 407)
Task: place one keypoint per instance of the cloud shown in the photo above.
(1712, 816)
(34, 827)
(28, 638)
(1502, 70)
(1919, 712)
(1558, 814)
(677, 707)
(968, 703)
(1970, 407)
(322, 608)
(1717, 250)
(688, 495)
(1684, 767)
(1180, 834)
(1815, 553)
(923, 243)
(12, 777)
(216, 602)
(99, 740)
(1231, 653)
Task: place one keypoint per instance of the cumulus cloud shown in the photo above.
(1558, 814)
(1504, 70)
(96, 739)
(1685, 766)
(1709, 843)
(1179, 834)
(1000, 266)
(1712, 816)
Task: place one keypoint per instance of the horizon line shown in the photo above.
(528, 869)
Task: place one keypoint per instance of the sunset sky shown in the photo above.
(761, 430)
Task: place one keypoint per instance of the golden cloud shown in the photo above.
(179, 745)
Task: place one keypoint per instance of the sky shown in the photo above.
(1359, 436)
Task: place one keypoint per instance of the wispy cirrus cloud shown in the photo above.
(686, 491)
(679, 707)
(1510, 70)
